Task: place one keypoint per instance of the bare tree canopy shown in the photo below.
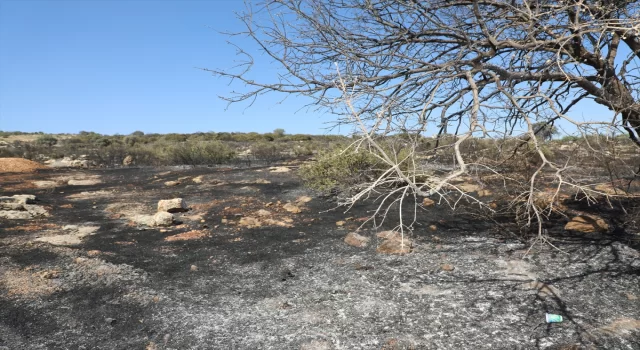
(473, 68)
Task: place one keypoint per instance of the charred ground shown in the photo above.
(224, 277)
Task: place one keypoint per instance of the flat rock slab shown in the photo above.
(73, 235)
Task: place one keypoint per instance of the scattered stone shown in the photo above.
(279, 169)
(292, 208)
(249, 222)
(394, 243)
(427, 202)
(45, 183)
(303, 199)
(69, 162)
(187, 236)
(341, 223)
(172, 183)
(587, 224)
(484, 193)
(163, 218)
(87, 182)
(175, 205)
(468, 187)
(356, 240)
(93, 253)
(127, 161)
(263, 212)
(447, 267)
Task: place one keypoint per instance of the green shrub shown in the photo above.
(340, 170)
(199, 153)
(266, 151)
(46, 140)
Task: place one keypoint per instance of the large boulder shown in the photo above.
(175, 205)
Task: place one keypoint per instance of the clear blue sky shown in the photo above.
(117, 66)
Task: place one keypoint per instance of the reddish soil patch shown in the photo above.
(186, 236)
(19, 165)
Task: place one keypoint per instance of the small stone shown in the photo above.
(433, 227)
(587, 224)
(127, 161)
(292, 208)
(631, 296)
(110, 321)
(427, 202)
(447, 267)
(224, 221)
(340, 223)
(172, 183)
(279, 169)
(194, 268)
(263, 212)
(268, 204)
(484, 193)
(197, 179)
(356, 240)
(303, 199)
(93, 253)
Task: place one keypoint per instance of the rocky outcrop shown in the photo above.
(20, 207)
(70, 162)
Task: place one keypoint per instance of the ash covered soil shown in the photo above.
(259, 262)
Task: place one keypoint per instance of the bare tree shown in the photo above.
(478, 69)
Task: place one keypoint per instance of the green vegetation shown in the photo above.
(339, 170)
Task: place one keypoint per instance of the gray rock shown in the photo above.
(176, 205)
(15, 215)
(163, 219)
(19, 198)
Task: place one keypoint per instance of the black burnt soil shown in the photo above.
(295, 284)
